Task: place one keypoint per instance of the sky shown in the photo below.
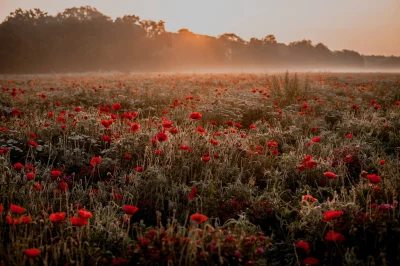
(366, 26)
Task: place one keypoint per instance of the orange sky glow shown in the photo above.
(366, 26)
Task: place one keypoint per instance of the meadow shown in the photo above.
(190, 169)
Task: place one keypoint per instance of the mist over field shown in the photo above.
(83, 39)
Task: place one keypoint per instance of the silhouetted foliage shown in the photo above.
(84, 39)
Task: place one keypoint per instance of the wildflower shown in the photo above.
(55, 174)
(304, 246)
(106, 123)
(348, 159)
(138, 169)
(158, 152)
(349, 136)
(272, 144)
(330, 175)
(95, 161)
(15, 209)
(309, 198)
(127, 156)
(106, 138)
(1, 208)
(117, 196)
(30, 176)
(32, 253)
(382, 162)
(161, 137)
(186, 148)
(77, 221)
(316, 139)
(32, 135)
(130, 209)
(167, 124)
(63, 186)
(374, 179)
(82, 213)
(205, 159)
(193, 193)
(57, 217)
(195, 116)
(25, 219)
(135, 127)
(198, 218)
(330, 215)
(310, 261)
(18, 166)
(332, 236)
(116, 106)
(201, 130)
(252, 126)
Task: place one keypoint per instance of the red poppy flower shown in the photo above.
(161, 137)
(30, 176)
(76, 221)
(332, 236)
(272, 144)
(310, 261)
(374, 179)
(82, 213)
(55, 174)
(201, 130)
(330, 215)
(15, 209)
(118, 196)
(198, 218)
(304, 246)
(130, 209)
(349, 136)
(63, 186)
(205, 159)
(106, 123)
(195, 116)
(316, 139)
(135, 127)
(18, 166)
(128, 156)
(57, 217)
(95, 161)
(116, 106)
(193, 193)
(158, 152)
(330, 175)
(309, 198)
(1, 208)
(25, 219)
(382, 162)
(106, 138)
(32, 135)
(33, 143)
(186, 148)
(138, 169)
(252, 126)
(32, 253)
(12, 221)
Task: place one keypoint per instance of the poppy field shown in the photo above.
(200, 169)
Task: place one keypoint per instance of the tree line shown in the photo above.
(83, 39)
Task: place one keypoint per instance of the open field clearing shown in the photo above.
(210, 169)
